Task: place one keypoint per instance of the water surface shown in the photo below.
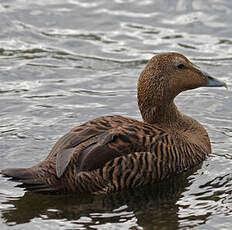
(65, 62)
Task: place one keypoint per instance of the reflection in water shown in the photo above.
(166, 205)
(146, 207)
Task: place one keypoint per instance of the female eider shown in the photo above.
(112, 153)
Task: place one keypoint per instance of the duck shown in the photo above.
(112, 153)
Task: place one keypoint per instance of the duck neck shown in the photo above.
(168, 115)
(165, 115)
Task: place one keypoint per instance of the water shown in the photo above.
(65, 62)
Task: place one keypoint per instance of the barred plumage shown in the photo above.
(113, 153)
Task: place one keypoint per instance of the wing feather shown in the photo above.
(95, 143)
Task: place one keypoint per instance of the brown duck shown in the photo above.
(112, 153)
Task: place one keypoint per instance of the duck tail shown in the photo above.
(28, 180)
(17, 173)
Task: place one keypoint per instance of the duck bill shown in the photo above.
(213, 82)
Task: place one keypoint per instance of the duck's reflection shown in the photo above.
(151, 206)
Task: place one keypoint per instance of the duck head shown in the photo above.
(163, 78)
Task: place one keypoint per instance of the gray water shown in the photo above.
(63, 62)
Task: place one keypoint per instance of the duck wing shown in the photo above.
(91, 145)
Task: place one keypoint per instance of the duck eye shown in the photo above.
(180, 66)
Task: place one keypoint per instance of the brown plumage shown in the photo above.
(112, 153)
